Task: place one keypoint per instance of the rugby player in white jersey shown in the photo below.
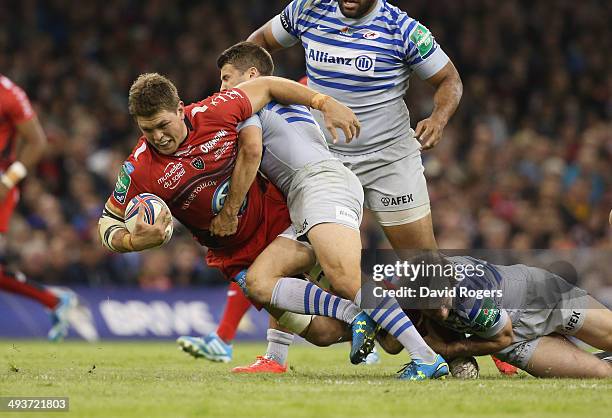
(362, 53)
(325, 203)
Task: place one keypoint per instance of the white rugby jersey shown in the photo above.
(292, 139)
(364, 63)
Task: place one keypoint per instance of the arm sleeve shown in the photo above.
(288, 25)
(252, 121)
(423, 54)
(228, 108)
(496, 327)
(126, 186)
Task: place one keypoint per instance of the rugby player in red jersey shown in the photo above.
(19, 121)
(187, 155)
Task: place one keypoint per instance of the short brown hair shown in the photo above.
(151, 93)
(245, 55)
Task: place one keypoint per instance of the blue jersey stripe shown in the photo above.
(475, 309)
(288, 109)
(350, 45)
(298, 119)
(347, 87)
(329, 8)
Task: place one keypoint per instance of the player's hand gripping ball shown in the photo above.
(152, 206)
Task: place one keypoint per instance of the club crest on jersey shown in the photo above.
(198, 163)
(371, 35)
(346, 31)
(219, 195)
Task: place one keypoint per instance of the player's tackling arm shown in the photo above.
(243, 175)
(262, 90)
(475, 345)
(479, 346)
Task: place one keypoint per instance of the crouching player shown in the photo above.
(526, 322)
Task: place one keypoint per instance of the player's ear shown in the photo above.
(253, 72)
(181, 109)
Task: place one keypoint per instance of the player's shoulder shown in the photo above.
(397, 19)
(141, 156)
(8, 88)
(6, 83)
(216, 103)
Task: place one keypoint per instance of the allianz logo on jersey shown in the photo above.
(345, 60)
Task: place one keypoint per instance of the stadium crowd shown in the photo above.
(525, 163)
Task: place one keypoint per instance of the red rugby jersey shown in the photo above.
(15, 108)
(195, 179)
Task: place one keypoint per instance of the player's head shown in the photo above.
(356, 8)
(243, 61)
(155, 104)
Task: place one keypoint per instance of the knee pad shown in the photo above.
(295, 323)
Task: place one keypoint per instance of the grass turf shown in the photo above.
(146, 379)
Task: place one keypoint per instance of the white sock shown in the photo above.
(303, 297)
(278, 345)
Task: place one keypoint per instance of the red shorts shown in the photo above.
(275, 221)
(7, 206)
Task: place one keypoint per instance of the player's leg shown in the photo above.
(19, 284)
(279, 340)
(555, 356)
(217, 346)
(236, 306)
(596, 329)
(59, 302)
(16, 282)
(268, 283)
(318, 330)
(414, 234)
(338, 250)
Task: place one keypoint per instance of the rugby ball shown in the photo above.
(153, 205)
(464, 368)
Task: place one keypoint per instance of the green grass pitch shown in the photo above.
(148, 379)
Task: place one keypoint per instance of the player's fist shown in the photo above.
(429, 132)
(146, 236)
(224, 224)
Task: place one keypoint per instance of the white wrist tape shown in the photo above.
(108, 225)
(14, 174)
